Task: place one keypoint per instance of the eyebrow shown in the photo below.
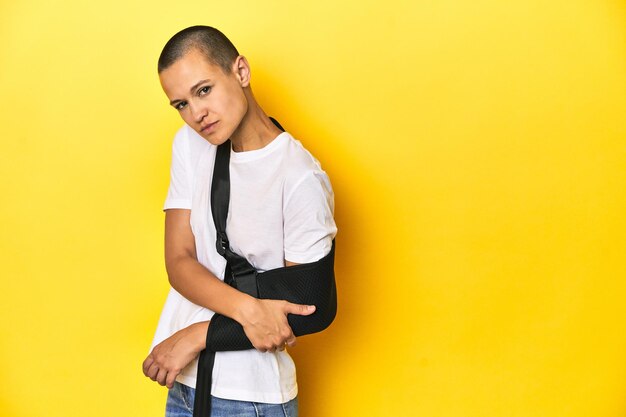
(193, 87)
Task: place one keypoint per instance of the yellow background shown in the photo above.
(477, 151)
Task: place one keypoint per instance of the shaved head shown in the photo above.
(212, 43)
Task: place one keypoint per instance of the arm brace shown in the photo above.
(311, 284)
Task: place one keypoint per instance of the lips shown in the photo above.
(208, 127)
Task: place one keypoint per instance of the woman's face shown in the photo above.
(209, 100)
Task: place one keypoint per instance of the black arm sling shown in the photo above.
(311, 284)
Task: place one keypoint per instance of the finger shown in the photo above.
(171, 378)
(153, 371)
(291, 343)
(146, 364)
(299, 309)
(161, 377)
(286, 335)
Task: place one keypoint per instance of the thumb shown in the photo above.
(299, 309)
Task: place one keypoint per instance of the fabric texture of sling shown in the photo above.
(311, 284)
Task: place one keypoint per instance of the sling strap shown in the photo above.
(241, 274)
(311, 284)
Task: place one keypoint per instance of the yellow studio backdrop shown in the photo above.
(478, 154)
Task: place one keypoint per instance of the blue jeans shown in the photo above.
(180, 404)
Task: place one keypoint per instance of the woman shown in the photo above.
(281, 214)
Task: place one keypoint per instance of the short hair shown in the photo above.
(218, 49)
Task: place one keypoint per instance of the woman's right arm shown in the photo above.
(264, 321)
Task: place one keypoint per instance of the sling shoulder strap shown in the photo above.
(239, 272)
(312, 283)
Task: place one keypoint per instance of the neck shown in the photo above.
(255, 131)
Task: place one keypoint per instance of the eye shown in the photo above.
(204, 90)
(180, 105)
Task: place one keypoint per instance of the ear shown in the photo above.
(241, 68)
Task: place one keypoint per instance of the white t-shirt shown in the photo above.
(281, 207)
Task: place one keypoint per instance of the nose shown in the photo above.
(198, 111)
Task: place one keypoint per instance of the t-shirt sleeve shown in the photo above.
(309, 225)
(179, 192)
